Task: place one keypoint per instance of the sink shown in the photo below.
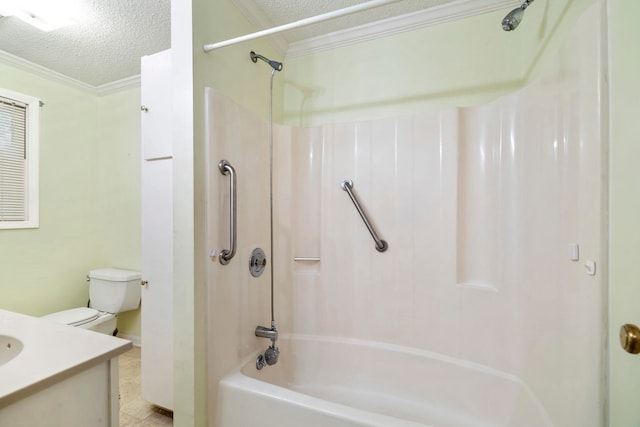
(10, 347)
(56, 374)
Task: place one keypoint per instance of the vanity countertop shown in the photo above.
(52, 352)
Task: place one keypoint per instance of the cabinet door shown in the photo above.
(157, 293)
(155, 90)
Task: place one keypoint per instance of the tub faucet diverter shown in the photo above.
(264, 332)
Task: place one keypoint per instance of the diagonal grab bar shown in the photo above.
(381, 245)
(226, 169)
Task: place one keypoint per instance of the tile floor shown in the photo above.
(135, 412)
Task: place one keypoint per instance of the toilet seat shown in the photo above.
(74, 317)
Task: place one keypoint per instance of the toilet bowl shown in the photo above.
(111, 291)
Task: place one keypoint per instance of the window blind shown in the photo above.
(13, 125)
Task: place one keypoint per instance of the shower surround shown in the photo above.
(479, 206)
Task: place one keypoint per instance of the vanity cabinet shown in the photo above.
(157, 231)
(90, 397)
(57, 375)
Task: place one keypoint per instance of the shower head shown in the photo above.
(271, 355)
(277, 66)
(513, 18)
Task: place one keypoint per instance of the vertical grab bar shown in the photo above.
(226, 255)
(381, 245)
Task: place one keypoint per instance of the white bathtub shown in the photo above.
(327, 382)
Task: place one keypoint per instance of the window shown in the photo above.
(19, 123)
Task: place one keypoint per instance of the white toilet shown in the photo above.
(111, 291)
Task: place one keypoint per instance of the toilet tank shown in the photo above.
(114, 290)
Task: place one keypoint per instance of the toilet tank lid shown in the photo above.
(114, 274)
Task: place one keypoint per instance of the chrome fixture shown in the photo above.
(381, 245)
(260, 362)
(226, 169)
(272, 353)
(264, 332)
(513, 18)
(277, 66)
(257, 262)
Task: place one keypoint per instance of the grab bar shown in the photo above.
(226, 168)
(381, 245)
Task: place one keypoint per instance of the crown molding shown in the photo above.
(39, 70)
(249, 10)
(118, 85)
(447, 12)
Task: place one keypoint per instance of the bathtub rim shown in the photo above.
(238, 379)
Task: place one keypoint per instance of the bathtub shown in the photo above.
(329, 382)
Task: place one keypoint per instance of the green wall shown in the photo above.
(624, 96)
(118, 181)
(89, 198)
(460, 63)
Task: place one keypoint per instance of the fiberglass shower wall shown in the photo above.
(479, 206)
(237, 301)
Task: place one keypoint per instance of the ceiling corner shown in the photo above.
(255, 16)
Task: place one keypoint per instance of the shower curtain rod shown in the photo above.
(301, 23)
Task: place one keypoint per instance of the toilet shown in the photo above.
(111, 291)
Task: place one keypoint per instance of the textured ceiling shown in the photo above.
(104, 46)
(111, 35)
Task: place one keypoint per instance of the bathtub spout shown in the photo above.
(264, 332)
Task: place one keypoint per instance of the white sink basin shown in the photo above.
(10, 347)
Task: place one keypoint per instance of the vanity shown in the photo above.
(56, 375)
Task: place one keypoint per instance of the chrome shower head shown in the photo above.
(277, 66)
(513, 18)
(271, 355)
